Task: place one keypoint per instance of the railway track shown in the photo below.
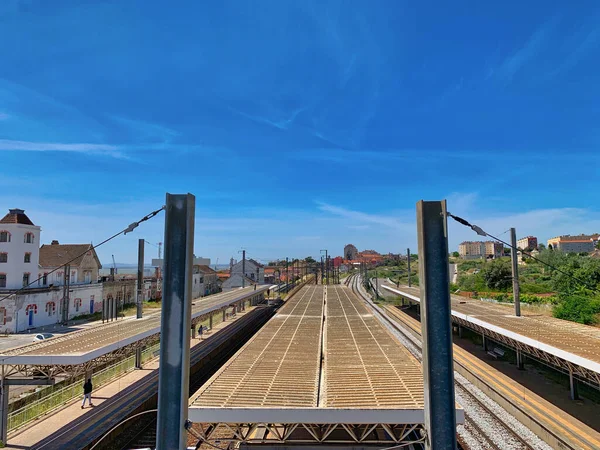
(487, 425)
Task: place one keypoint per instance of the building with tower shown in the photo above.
(350, 252)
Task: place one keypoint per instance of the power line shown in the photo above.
(129, 229)
(481, 232)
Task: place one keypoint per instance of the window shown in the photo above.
(27, 258)
(45, 279)
(3, 316)
(25, 279)
(73, 277)
(28, 238)
(3, 257)
(88, 276)
(4, 236)
(2, 280)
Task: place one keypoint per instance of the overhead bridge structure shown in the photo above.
(323, 370)
(571, 347)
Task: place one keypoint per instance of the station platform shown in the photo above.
(83, 346)
(570, 346)
(325, 370)
(53, 430)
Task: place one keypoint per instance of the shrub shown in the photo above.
(577, 308)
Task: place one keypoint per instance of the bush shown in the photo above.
(577, 308)
(533, 288)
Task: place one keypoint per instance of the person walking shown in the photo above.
(87, 393)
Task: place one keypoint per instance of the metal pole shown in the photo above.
(174, 370)
(287, 275)
(436, 326)
(140, 277)
(408, 262)
(243, 268)
(515, 271)
(4, 396)
(327, 266)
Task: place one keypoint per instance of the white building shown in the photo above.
(236, 281)
(83, 262)
(204, 281)
(38, 307)
(19, 250)
(254, 270)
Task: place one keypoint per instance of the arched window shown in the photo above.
(31, 309)
(50, 308)
(4, 236)
(77, 304)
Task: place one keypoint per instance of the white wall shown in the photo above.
(16, 249)
(250, 269)
(18, 308)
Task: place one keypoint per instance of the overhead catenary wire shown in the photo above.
(129, 229)
(481, 232)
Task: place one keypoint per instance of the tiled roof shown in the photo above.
(256, 263)
(55, 255)
(16, 216)
(205, 269)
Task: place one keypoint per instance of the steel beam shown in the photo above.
(174, 370)
(436, 326)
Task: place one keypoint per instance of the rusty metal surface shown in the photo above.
(279, 366)
(82, 342)
(364, 365)
(577, 339)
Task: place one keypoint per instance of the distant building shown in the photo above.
(85, 265)
(582, 243)
(493, 249)
(471, 249)
(205, 281)
(19, 250)
(337, 261)
(528, 243)
(235, 281)
(254, 270)
(350, 252)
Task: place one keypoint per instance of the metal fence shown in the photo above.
(66, 394)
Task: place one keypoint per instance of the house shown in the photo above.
(19, 251)
(84, 263)
(254, 270)
(582, 243)
(236, 281)
(205, 281)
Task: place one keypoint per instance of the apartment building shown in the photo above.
(471, 249)
(583, 243)
(528, 243)
(493, 249)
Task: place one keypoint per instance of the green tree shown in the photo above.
(577, 308)
(310, 260)
(497, 274)
(455, 254)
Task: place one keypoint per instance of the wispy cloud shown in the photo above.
(147, 130)
(358, 216)
(27, 146)
(281, 123)
(514, 63)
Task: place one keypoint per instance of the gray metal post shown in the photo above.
(193, 331)
(103, 310)
(408, 262)
(174, 369)
(140, 278)
(210, 322)
(436, 326)
(520, 362)
(4, 395)
(515, 271)
(484, 343)
(224, 314)
(574, 394)
(243, 268)
(138, 358)
(66, 287)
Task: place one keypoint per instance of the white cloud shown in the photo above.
(27, 146)
(357, 216)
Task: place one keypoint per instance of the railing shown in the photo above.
(66, 394)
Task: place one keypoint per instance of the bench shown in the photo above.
(496, 353)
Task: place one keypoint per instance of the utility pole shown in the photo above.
(287, 275)
(243, 267)
(515, 271)
(140, 278)
(436, 328)
(66, 286)
(408, 261)
(173, 378)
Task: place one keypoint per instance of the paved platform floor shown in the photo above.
(46, 426)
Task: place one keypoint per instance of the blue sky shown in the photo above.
(299, 125)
